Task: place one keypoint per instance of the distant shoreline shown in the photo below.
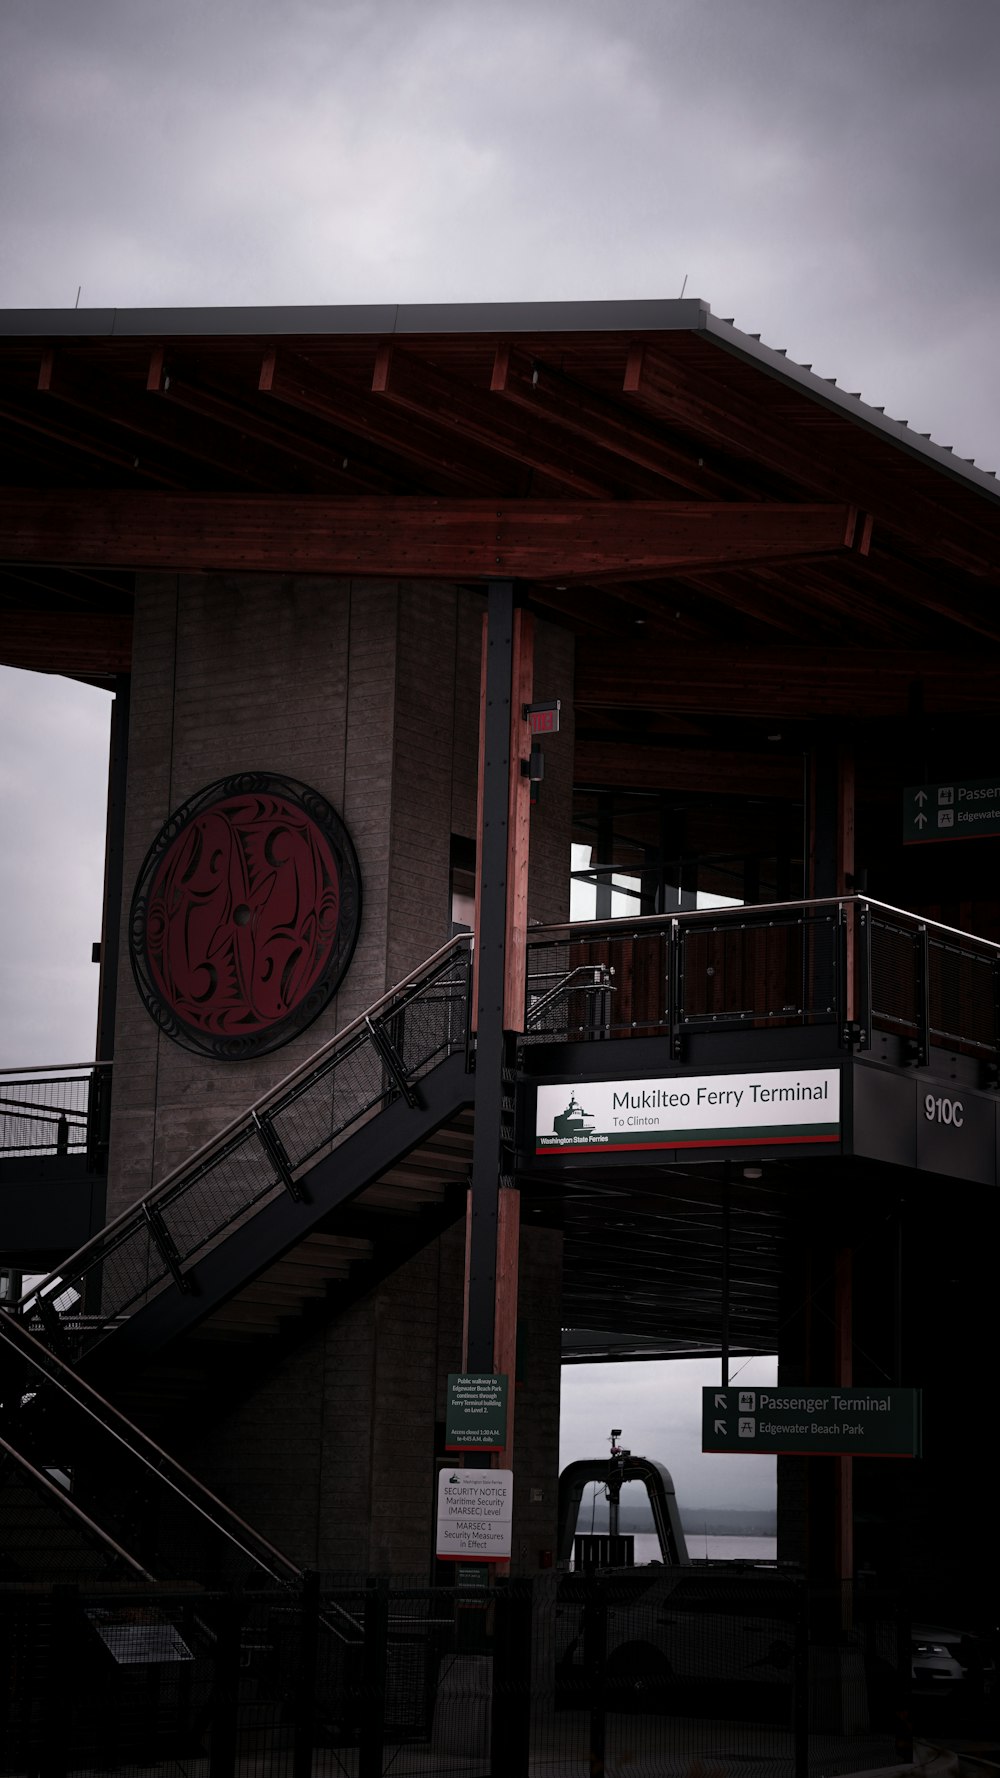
(708, 1521)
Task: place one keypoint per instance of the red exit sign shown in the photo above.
(543, 719)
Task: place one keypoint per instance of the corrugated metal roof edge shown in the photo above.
(825, 390)
(634, 316)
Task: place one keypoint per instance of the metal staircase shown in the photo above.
(350, 1161)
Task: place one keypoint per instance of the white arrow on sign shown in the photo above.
(921, 797)
(920, 820)
(720, 1426)
(720, 1400)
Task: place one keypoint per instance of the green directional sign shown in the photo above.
(476, 1413)
(812, 1420)
(964, 809)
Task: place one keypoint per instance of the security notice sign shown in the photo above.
(474, 1515)
(812, 1420)
(689, 1111)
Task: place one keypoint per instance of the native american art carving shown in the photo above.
(245, 915)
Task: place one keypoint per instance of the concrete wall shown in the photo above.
(350, 1490)
(360, 689)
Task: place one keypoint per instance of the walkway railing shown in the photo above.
(58, 1110)
(849, 962)
(366, 1067)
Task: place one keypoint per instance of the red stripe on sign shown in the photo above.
(733, 1142)
(473, 1558)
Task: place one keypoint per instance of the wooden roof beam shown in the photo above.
(46, 424)
(736, 424)
(286, 377)
(343, 472)
(399, 378)
(795, 683)
(585, 414)
(92, 644)
(127, 410)
(431, 539)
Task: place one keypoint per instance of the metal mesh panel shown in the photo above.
(44, 1114)
(894, 975)
(962, 997)
(330, 1104)
(612, 985)
(220, 1193)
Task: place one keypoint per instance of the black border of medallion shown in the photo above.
(241, 1048)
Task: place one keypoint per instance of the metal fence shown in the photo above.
(850, 963)
(373, 1062)
(641, 1673)
(59, 1110)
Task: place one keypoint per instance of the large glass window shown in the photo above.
(653, 852)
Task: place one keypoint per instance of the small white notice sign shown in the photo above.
(474, 1511)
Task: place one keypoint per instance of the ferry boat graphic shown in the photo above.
(573, 1121)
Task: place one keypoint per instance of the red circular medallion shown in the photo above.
(245, 915)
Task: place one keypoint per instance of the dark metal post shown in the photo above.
(375, 1664)
(510, 1717)
(305, 1678)
(800, 1684)
(923, 961)
(595, 1660)
(897, 1296)
(113, 868)
(490, 945)
(62, 1684)
(226, 1698)
(726, 1218)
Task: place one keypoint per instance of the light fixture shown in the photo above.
(753, 1172)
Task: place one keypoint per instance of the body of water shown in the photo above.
(707, 1546)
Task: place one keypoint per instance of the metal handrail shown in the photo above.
(572, 930)
(151, 1455)
(67, 1505)
(142, 1213)
(857, 925)
(266, 1103)
(54, 1068)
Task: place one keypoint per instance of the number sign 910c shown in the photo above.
(943, 1111)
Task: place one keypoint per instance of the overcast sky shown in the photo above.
(825, 171)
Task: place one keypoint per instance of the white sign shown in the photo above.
(474, 1514)
(689, 1111)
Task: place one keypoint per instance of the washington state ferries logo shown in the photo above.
(574, 1121)
(245, 916)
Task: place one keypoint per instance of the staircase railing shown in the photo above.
(151, 1246)
(133, 1492)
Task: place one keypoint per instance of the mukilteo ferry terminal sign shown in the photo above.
(689, 1111)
